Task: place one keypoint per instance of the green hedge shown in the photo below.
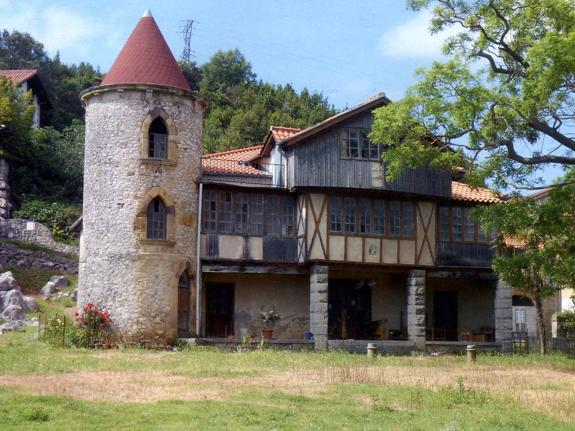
(57, 216)
(566, 323)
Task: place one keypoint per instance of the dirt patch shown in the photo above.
(546, 390)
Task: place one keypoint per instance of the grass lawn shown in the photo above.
(42, 387)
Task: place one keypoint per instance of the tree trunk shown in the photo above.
(541, 334)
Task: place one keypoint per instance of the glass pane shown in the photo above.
(335, 215)
(408, 219)
(469, 233)
(365, 216)
(273, 222)
(444, 223)
(225, 212)
(395, 218)
(209, 211)
(457, 222)
(256, 215)
(349, 215)
(379, 217)
(288, 216)
(241, 213)
(156, 219)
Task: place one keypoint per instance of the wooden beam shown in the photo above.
(462, 274)
(253, 269)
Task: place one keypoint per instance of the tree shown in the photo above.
(536, 245)
(20, 51)
(16, 112)
(504, 100)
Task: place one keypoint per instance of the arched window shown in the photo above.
(156, 219)
(184, 282)
(158, 139)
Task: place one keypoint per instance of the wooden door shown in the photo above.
(219, 310)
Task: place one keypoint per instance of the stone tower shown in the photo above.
(142, 160)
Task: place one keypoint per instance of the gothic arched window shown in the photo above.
(184, 282)
(158, 139)
(156, 216)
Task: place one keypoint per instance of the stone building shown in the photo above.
(305, 224)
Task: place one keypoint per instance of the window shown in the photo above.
(225, 212)
(365, 216)
(408, 219)
(457, 224)
(184, 282)
(158, 140)
(241, 212)
(395, 218)
(469, 231)
(444, 223)
(349, 215)
(209, 210)
(336, 214)
(355, 144)
(288, 215)
(379, 217)
(256, 220)
(273, 218)
(156, 217)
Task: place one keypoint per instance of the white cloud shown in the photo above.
(58, 28)
(413, 39)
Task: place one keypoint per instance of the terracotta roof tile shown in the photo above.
(18, 76)
(280, 133)
(232, 162)
(146, 59)
(464, 192)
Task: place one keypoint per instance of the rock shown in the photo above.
(15, 326)
(30, 304)
(13, 313)
(12, 297)
(60, 281)
(8, 282)
(49, 290)
(74, 295)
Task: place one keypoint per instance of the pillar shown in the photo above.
(318, 287)
(416, 308)
(503, 315)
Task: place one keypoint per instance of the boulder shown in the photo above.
(49, 290)
(15, 326)
(13, 313)
(59, 281)
(8, 282)
(29, 304)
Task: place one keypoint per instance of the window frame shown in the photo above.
(153, 144)
(478, 236)
(359, 148)
(155, 233)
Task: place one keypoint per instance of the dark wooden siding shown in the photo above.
(318, 163)
(278, 249)
(477, 255)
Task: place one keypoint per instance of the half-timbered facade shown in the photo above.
(307, 224)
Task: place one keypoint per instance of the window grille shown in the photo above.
(158, 140)
(156, 216)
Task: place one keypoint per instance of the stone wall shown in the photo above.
(31, 231)
(503, 315)
(318, 304)
(121, 271)
(13, 256)
(416, 308)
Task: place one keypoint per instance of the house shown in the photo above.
(305, 224)
(29, 80)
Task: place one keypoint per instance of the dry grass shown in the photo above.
(550, 391)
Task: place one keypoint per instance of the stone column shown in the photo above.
(503, 315)
(416, 308)
(318, 286)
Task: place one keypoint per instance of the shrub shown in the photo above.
(57, 216)
(566, 323)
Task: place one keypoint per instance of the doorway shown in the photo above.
(219, 310)
(445, 316)
(349, 309)
(184, 304)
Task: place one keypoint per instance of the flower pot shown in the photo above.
(267, 333)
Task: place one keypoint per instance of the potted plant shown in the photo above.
(269, 319)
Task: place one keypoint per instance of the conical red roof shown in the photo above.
(146, 59)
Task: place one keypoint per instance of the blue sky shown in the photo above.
(347, 50)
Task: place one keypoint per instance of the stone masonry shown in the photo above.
(122, 272)
(416, 308)
(318, 289)
(503, 315)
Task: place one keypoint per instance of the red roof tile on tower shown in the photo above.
(232, 162)
(18, 76)
(464, 192)
(146, 59)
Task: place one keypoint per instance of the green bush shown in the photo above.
(566, 323)
(57, 216)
